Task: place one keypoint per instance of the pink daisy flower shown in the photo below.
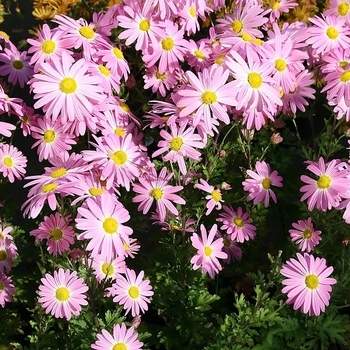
(7, 289)
(259, 186)
(326, 191)
(231, 249)
(8, 252)
(279, 7)
(159, 82)
(132, 292)
(155, 187)
(237, 224)
(339, 8)
(62, 294)
(60, 236)
(5, 231)
(214, 197)
(108, 270)
(305, 235)
(12, 162)
(122, 339)
(209, 250)
(307, 283)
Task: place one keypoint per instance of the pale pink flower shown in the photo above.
(279, 7)
(12, 162)
(7, 289)
(214, 197)
(8, 252)
(305, 235)
(159, 82)
(105, 270)
(162, 8)
(339, 8)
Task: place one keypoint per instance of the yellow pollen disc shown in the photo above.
(343, 9)
(49, 136)
(219, 60)
(193, 11)
(345, 76)
(266, 183)
(108, 269)
(17, 64)
(237, 26)
(8, 162)
(246, 37)
(280, 64)
(332, 33)
(280, 91)
(104, 70)
(120, 132)
(125, 246)
(176, 143)
(1, 286)
(119, 346)
(216, 195)
(209, 97)
(227, 243)
(3, 255)
(160, 76)
(25, 119)
(255, 80)
(48, 188)
(96, 191)
(167, 44)
(238, 222)
(119, 157)
(323, 182)
(199, 54)
(165, 118)
(110, 225)
(311, 281)
(207, 250)
(156, 193)
(87, 32)
(62, 294)
(68, 85)
(343, 64)
(257, 41)
(134, 292)
(307, 233)
(56, 234)
(276, 6)
(175, 227)
(144, 25)
(48, 47)
(58, 173)
(118, 53)
(124, 107)
(4, 35)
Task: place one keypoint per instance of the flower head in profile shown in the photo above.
(305, 235)
(214, 197)
(7, 289)
(62, 294)
(307, 283)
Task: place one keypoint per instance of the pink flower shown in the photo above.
(7, 289)
(231, 249)
(122, 338)
(12, 162)
(62, 294)
(259, 186)
(305, 235)
(8, 252)
(154, 187)
(214, 198)
(108, 270)
(281, 6)
(208, 251)
(132, 292)
(307, 283)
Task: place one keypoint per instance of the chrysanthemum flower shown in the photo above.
(5, 231)
(122, 339)
(214, 198)
(279, 7)
(307, 283)
(12, 162)
(339, 8)
(7, 289)
(8, 252)
(62, 294)
(259, 186)
(159, 82)
(132, 292)
(305, 235)
(108, 270)
(326, 191)
(231, 249)
(209, 250)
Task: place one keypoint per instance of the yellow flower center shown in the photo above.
(167, 44)
(257, 41)
(307, 233)
(176, 143)
(160, 76)
(4, 35)
(237, 26)
(207, 251)
(199, 54)
(345, 76)
(209, 97)
(17, 64)
(49, 136)
(119, 346)
(276, 6)
(96, 191)
(266, 183)
(120, 132)
(48, 47)
(62, 294)
(323, 182)
(2, 287)
(332, 33)
(104, 70)
(68, 85)
(144, 25)
(110, 225)
(118, 53)
(343, 64)
(3, 255)
(238, 222)
(216, 195)
(219, 59)
(246, 37)
(119, 157)
(8, 162)
(56, 234)
(58, 173)
(193, 11)
(107, 269)
(48, 188)
(280, 64)
(134, 292)
(255, 80)
(124, 107)
(87, 32)
(343, 8)
(227, 243)
(311, 281)
(156, 193)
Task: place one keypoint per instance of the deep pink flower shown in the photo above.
(305, 235)
(7, 289)
(12, 162)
